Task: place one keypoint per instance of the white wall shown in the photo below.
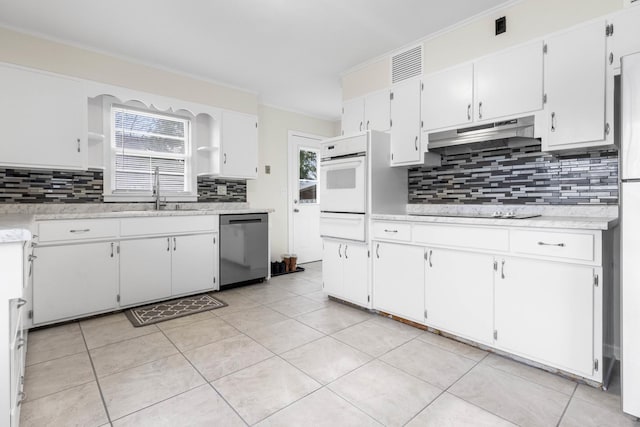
(270, 191)
(526, 20)
(34, 52)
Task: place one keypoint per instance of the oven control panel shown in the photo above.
(342, 147)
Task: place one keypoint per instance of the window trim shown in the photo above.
(109, 194)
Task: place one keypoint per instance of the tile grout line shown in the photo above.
(95, 375)
(564, 412)
(205, 380)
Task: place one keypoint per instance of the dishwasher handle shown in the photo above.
(244, 221)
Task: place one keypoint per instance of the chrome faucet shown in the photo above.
(156, 189)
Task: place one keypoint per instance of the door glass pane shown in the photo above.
(308, 182)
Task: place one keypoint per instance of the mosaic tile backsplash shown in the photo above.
(49, 186)
(516, 172)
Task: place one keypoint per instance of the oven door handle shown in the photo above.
(342, 165)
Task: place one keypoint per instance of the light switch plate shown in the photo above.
(221, 190)
(267, 169)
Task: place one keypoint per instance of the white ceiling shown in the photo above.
(290, 52)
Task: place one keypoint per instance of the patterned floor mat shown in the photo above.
(167, 310)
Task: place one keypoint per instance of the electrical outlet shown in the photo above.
(221, 190)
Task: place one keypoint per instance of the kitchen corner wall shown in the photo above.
(526, 20)
(270, 190)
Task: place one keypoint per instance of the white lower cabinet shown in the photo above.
(545, 311)
(344, 271)
(145, 270)
(459, 293)
(193, 262)
(78, 272)
(72, 280)
(398, 280)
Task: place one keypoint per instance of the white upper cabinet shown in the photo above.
(239, 145)
(377, 111)
(44, 120)
(509, 83)
(447, 98)
(371, 112)
(352, 116)
(625, 34)
(405, 123)
(576, 87)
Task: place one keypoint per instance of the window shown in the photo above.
(308, 182)
(142, 141)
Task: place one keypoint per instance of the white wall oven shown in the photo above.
(343, 187)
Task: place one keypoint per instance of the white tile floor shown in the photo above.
(282, 354)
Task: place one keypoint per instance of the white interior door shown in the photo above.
(304, 202)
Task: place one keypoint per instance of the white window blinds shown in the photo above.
(142, 141)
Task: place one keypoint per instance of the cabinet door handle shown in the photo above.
(84, 230)
(551, 244)
(390, 231)
(225, 158)
(20, 302)
(367, 124)
(360, 126)
(112, 244)
(553, 122)
(345, 251)
(20, 343)
(378, 250)
(416, 143)
(23, 397)
(468, 111)
(168, 244)
(174, 244)
(78, 141)
(502, 269)
(480, 110)
(430, 257)
(339, 249)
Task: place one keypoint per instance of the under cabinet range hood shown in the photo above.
(516, 128)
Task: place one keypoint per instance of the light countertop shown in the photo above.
(567, 222)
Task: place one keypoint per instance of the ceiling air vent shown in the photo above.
(407, 64)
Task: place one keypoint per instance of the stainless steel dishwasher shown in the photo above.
(244, 252)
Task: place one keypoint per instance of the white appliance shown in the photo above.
(356, 181)
(343, 171)
(630, 234)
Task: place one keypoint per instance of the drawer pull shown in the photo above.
(390, 231)
(21, 302)
(551, 244)
(84, 230)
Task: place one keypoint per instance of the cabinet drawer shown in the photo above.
(84, 229)
(494, 239)
(548, 243)
(142, 226)
(392, 231)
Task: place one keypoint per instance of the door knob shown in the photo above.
(296, 210)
